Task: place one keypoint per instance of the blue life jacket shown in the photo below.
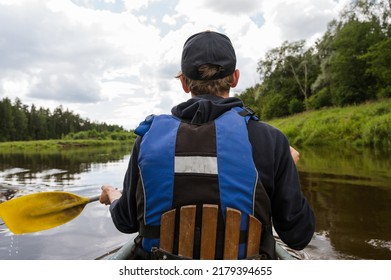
(173, 154)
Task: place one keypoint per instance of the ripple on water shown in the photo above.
(13, 171)
(377, 243)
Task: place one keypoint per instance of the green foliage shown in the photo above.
(378, 59)
(104, 135)
(320, 99)
(250, 98)
(287, 71)
(6, 120)
(90, 138)
(349, 82)
(350, 64)
(384, 92)
(295, 106)
(66, 143)
(377, 132)
(17, 123)
(122, 136)
(274, 106)
(366, 125)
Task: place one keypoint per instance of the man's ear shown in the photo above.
(236, 75)
(184, 85)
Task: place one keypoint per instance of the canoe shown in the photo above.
(124, 252)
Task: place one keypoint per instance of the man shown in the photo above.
(211, 150)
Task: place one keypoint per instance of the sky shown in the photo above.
(115, 61)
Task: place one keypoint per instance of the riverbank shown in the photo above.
(56, 144)
(365, 125)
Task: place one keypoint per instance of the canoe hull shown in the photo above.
(125, 253)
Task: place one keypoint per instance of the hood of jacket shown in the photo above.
(204, 108)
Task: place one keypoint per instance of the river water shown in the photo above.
(350, 192)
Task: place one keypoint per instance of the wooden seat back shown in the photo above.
(186, 239)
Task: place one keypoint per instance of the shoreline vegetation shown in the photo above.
(68, 142)
(366, 125)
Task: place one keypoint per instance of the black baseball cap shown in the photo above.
(208, 47)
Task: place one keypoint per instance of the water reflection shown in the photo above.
(80, 171)
(27, 172)
(351, 194)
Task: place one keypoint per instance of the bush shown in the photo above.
(377, 132)
(274, 106)
(384, 92)
(295, 106)
(121, 136)
(82, 135)
(320, 99)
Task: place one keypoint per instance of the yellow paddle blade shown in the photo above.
(40, 211)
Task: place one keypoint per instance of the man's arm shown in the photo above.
(123, 206)
(293, 218)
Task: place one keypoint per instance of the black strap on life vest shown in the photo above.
(152, 232)
(248, 112)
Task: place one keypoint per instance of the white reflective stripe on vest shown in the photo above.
(195, 164)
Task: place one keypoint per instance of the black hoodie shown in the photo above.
(293, 218)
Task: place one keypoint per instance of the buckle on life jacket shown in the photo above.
(248, 113)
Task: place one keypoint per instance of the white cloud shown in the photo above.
(169, 20)
(296, 20)
(115, 60)
(233, 7)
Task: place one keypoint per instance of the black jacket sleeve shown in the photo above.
(124, 210)
(293, 219)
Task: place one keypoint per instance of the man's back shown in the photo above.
(293, 218)
(208, 71)
(209, 163)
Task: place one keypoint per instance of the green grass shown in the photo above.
(90, 138)
(53, 145)
(366, 125)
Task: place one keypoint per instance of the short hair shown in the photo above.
(217, 87)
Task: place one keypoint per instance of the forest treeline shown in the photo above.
(349, 64)
(19, 122)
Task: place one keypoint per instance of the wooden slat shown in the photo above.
(167, 227)
(254, 236)
(186, 231)
(208, 231)
(232, 232)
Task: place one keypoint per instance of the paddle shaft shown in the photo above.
(94, 198)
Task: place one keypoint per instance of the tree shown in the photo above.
(321, 87)
(350, 84)
(288, 71)
(378, 59)
(344, 75)
(20, 121)
(6, 120)
(250, 98)
(349, 64)
(274, 106)
(33, 123)
(43, 117)
(376, 11)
